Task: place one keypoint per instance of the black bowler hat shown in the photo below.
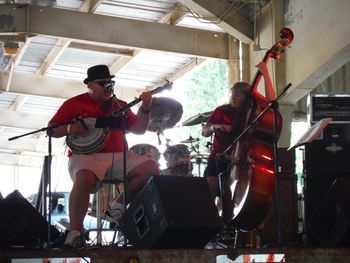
(97, 72)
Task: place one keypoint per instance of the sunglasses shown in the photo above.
(107, 84)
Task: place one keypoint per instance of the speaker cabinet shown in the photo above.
(329, 224)
(21, 224)
(336, 131)
(327, 167)
(288, 203)
(321, 155)
(172, 212)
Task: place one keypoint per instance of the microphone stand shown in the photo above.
(274, 106)
(46, 192)
(121, 112)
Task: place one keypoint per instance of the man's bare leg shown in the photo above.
(79, 198)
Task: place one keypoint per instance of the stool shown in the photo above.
(102, 196)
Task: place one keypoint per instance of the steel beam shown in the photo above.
(122, 32)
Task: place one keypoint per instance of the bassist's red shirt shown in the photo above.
(224, 114)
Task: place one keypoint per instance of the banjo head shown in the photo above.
(91, 141)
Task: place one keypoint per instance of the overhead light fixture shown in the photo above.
(10, 48)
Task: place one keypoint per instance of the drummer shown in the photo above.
(88, 170)
(147, 150)
(178, 161)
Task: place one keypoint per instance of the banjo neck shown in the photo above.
(167, 86)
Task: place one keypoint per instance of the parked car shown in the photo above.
(60, 212)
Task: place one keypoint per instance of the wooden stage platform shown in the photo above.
(129, 255)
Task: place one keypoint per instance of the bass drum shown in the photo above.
(178, 160)
(146, 149)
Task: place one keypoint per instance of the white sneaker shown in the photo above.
(74, 239)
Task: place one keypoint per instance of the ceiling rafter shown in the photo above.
(89, 6)
(20, 100)
(174, 16)
(53, 56)
(121, 63)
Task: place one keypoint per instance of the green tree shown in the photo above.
(206, 89)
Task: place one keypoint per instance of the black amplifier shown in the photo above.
(330, 105)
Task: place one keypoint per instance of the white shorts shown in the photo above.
(101, 165)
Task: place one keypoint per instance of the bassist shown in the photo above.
(220, 124)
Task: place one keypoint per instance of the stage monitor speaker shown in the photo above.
(288, 204)
(21, 224)
(172, 212)
(329, 225)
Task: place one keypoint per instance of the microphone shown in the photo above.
(109, 85)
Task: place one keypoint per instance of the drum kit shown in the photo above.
(180, 158)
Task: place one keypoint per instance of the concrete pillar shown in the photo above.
(233, 62)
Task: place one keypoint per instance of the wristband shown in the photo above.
(68, 129)
(145, 111)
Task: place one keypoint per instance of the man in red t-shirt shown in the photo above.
(88, 170)
(221, 120)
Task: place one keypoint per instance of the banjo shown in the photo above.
(94, 139)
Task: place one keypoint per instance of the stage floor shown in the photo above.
(226, 255)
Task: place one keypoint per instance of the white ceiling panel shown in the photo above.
(73, 63)
(6, 100)
(41, 105)
(151, 11)
(192, 21)
(152, 67)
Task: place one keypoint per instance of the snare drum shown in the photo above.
(178, 160)
(146, 149)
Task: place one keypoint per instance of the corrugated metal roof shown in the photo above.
(149, 68)
(73, 63)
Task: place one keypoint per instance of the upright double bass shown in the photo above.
(247, 186)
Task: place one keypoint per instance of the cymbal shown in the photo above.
(165, 113)
(190, 140)
(197, 119)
